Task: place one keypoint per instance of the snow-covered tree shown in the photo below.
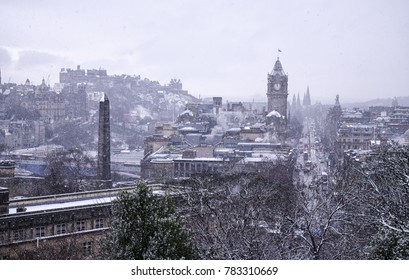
(241, 215)
(66, 170)
(146, 226)
(375, 199)
(388, 188)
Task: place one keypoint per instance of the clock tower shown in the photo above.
(277, 90)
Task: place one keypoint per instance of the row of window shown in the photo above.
(355, 147)
(187, 169)
(41, 231)
(355, 140)
(86, 248)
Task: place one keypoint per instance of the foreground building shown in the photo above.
(33, 227)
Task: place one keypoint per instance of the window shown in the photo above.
(61, 229)
(80, 225)
(87, 247)
(2, 239)
(39, 231)
(99, 223)
(18, 235)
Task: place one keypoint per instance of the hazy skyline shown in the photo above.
(357, 49)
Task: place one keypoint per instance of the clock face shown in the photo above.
(277, 86)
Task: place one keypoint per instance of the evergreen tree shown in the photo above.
(389, 245)
(146, 227)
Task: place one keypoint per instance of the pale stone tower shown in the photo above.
(217, 104)
(104, 142)
(277, 90)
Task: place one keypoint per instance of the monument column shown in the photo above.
(104, 142)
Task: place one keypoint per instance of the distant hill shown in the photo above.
(402, 101)
(149, 100)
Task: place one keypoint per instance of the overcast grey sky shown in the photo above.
(358, 49)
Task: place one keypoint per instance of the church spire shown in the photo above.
(298, 101)
(337, 101)
(307, 98)
(278, 68)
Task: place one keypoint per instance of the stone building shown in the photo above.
(31, 227)
(217, 104)
(166, 129)
(75, 98)
(154, 142)
(4, 201)
(22, 134)
(399, 119)
(97, 79)
(332, 123)
(48, 103)
(157, 169)
(180, 162)
(356, 136)
(252, 133)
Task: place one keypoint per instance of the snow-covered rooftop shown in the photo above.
(274, 114)
(61, 204)
(188, 112)
(188, 128)
(104, 98)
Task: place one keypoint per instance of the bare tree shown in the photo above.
(387, 187)
(66, 171)
(261, 214)
(323, 226)
(239, 215)
(372, 198)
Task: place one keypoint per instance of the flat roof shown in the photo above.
(60, 204)
(62, 201)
